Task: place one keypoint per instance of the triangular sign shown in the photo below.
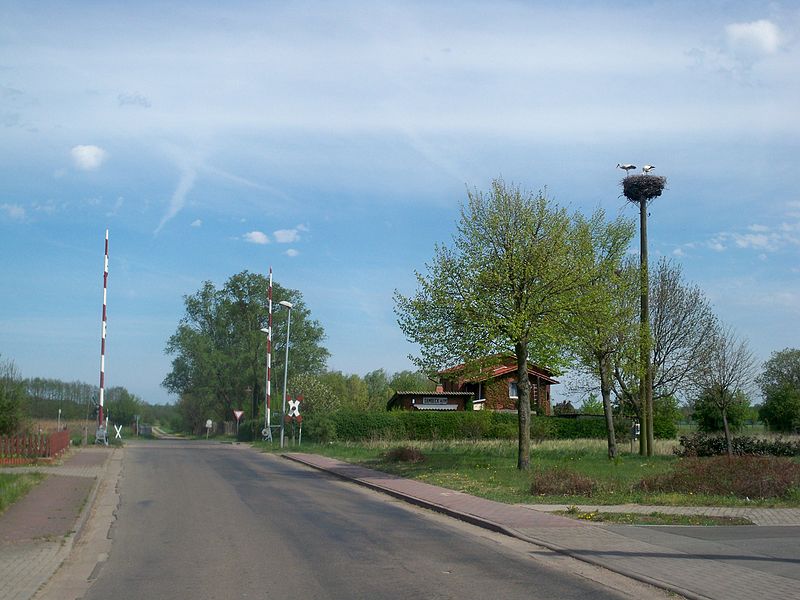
(238, 414)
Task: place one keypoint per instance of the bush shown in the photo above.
(320, 428)
(404, 454)
(560, 481)
(700, 444)
(752, 477)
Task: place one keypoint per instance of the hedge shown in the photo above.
(700, 444)
(345, 425)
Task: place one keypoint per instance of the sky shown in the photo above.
(335, 142)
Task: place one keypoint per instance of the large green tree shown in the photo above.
(780, 386)
(219, 349)
(608, 323)
(517, 272)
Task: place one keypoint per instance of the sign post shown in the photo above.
(238, 414)
(209, 425)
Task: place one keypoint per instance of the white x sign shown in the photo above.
(119, 432)
(294, 408)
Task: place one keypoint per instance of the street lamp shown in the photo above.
(288, 307)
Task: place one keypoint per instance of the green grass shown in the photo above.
(487, 469)
(653, 518)
(14, 486)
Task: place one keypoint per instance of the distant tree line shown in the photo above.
(24, 399)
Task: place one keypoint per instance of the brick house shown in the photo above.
(494, 387)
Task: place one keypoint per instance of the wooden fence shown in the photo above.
(21, 449)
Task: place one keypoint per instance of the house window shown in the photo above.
(512, 389)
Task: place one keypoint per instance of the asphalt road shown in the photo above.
(200, 520)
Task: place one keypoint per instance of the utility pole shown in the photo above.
(641, 189)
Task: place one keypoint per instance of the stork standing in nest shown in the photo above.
(625, 167)
(647, 168)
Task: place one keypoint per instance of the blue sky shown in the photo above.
(335, 142)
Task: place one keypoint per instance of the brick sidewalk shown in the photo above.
(696, 576)
(38, 532)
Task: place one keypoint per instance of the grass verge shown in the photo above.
(13, 486)
(653, 518)
(487, 468)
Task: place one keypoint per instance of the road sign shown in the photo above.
(209, 424)
(294, 408)
(238, 414)
(118, 429)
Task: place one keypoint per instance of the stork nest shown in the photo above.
(643, 188)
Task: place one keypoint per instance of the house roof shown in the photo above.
(505, 366)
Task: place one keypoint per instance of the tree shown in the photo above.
(781, 409)
(220, 353)
(780, 386)
(12, 398)
(122, 406)
(709, 418)
(726, 374)
(411, 381)
(606, 325)
(318, 398)
(378, 390)
(592, 406)
(351, 390)
(516, 274)
(681, 323)
(780, 371)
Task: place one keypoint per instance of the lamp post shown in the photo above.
(288, 307)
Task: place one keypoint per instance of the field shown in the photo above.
(488, 469)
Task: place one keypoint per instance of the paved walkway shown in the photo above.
(757, 516)
(38, 532)
(694, 574)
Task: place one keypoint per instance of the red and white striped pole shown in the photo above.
(103, 338)
(269, 358)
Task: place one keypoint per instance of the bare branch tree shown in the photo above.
(729, 369)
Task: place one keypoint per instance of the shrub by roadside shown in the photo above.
(754, 477)
(560, 481)
(404, 454)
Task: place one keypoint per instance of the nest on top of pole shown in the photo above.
(643, 188)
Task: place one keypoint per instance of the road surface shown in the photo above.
(203, 520)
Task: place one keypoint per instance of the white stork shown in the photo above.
(647, 168)
(626, 167)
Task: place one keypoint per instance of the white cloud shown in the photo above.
(286, 236)
(88, 158)
(197, 223)
(678, 252)
(291, 252)
(185, 185)
(716, 244)
(256, 237)
(305, 228)
(751, 41)
(758, 228)
(13, 211)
